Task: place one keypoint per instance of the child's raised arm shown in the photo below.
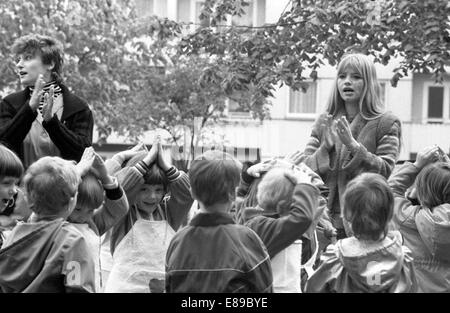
(116, 203)
(114, 164)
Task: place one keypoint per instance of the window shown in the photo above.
(184, 11)
(303, 104)
(144, 8)
(436, 100)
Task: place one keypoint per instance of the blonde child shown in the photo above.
(48, 254)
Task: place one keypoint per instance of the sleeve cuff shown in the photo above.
(172, 173)
(114, 194)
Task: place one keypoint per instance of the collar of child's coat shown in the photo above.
(211, 219)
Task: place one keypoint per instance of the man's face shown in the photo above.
(29, 67)
(149, 197)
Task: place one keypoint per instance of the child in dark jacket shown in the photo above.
(212, 253)
(48, 254)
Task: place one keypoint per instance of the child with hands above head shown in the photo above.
(159, 197)
(290, 204)
(100, 205)
(425, 226)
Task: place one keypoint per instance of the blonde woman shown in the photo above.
(353, 136)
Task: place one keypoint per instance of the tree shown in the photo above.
(104, 48)
(314, 31)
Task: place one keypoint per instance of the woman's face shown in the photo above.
(8, 188)
(29, 67)
(149, 197)
(350, 85)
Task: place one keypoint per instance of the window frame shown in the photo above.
(303, 116)
(446, 103)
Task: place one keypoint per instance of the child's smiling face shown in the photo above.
(149, 197)
(8, 188)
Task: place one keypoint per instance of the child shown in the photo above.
(139, 241)
(248, 208)
(212, 253)
(11, 170)
(289, 204)
(48, 254)
(92, 215)
(373, 259)
(426, 227)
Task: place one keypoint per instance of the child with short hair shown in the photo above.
(100, 205)
(373, 259)
(426, 226)
(11, 171)
(48, 254)
(288, 203)
(159, 198)
(212, 253)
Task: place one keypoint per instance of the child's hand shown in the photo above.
(444, 157)
(152, 155)
(163, 163)
(294, 157)
(99, 170)
(298, 177)
(257, 169)
(427, 156)
(126, 155)
(86, 161)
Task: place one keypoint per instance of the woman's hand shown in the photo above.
(345, 134)
(427, 156)
(329, 135)
(48, 105)
(37, 93)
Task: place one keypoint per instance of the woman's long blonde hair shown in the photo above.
(370, 104)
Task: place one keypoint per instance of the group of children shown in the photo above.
(122, 226)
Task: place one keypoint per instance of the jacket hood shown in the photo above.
(434, 229)
(25, 252)
(375, 269)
